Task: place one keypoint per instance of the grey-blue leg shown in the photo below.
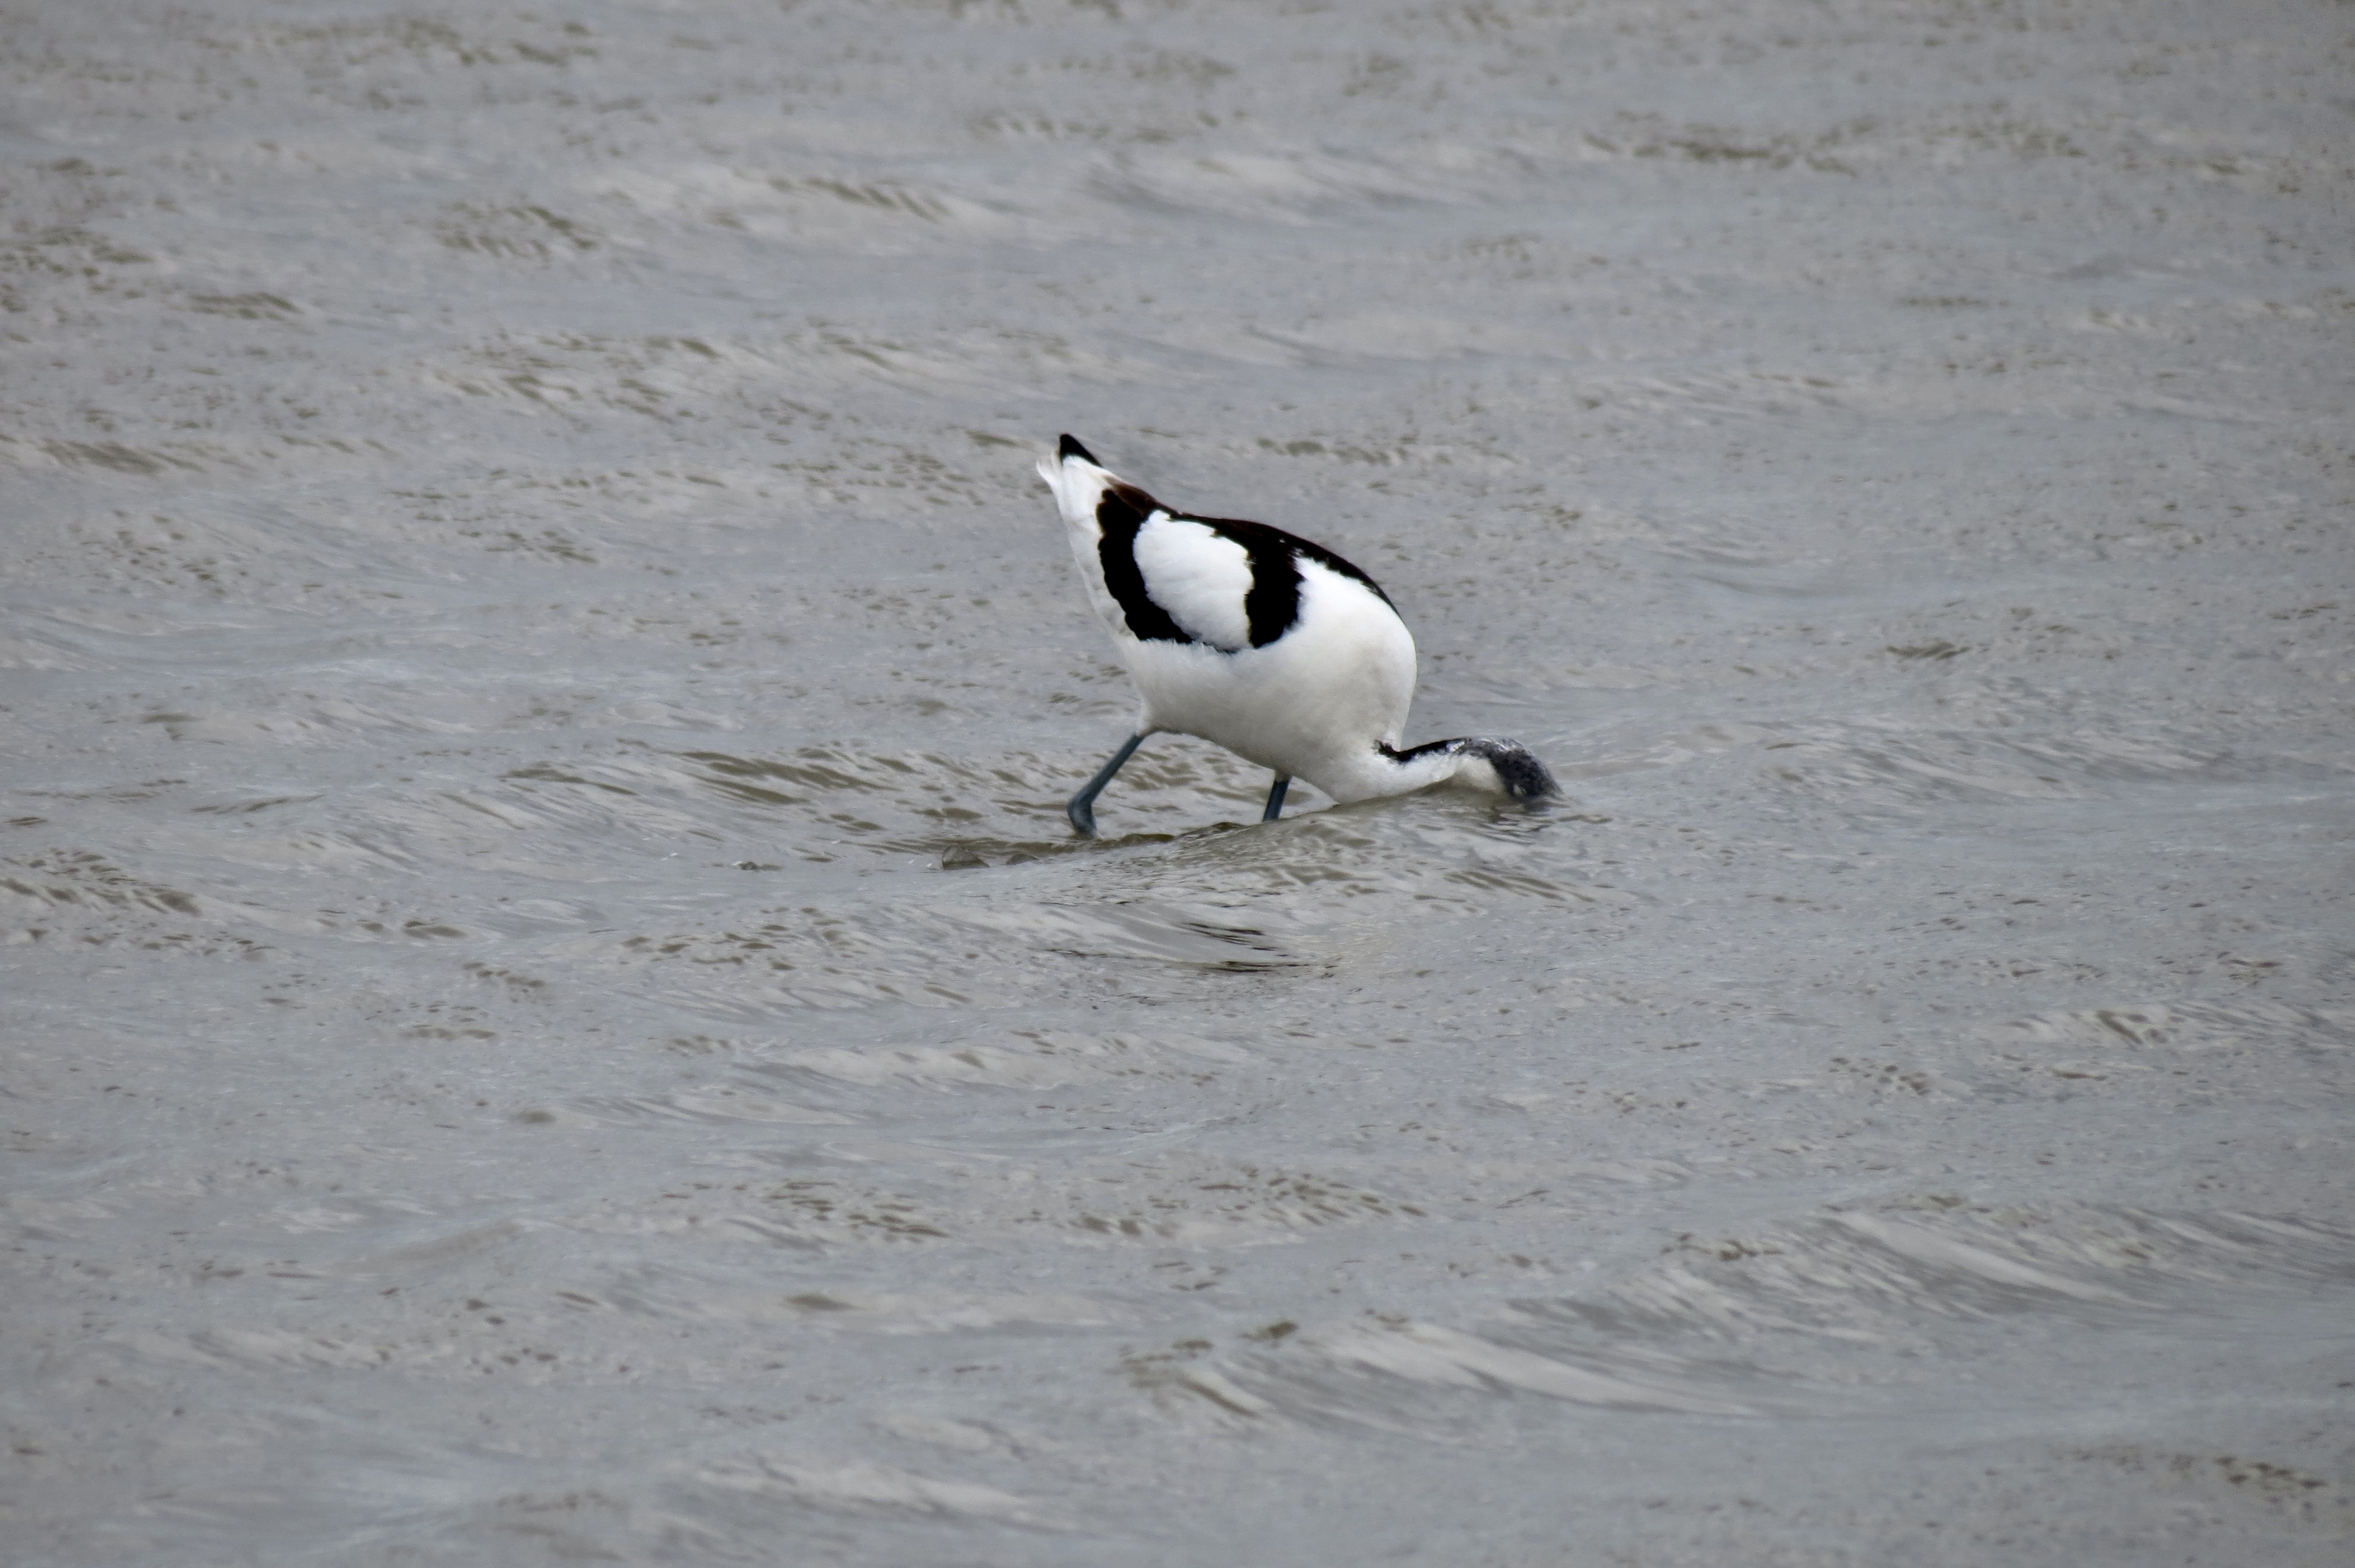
(1083, 809)
(1275, 798)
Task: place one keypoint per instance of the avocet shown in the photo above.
(1266, 644)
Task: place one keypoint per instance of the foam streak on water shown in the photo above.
(552, 1010)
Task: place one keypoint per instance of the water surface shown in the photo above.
(552, 1013)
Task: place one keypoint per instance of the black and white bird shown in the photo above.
(1274, 648)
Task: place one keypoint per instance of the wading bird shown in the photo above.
(1250, 639)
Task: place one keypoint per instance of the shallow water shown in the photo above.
(552, 1013)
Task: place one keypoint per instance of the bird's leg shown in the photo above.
(1275, 798)
(1083, 809)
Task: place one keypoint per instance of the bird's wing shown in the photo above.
(1198, 577)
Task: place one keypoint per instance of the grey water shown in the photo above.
(551, 1014)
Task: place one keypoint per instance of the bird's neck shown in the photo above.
(1477, 762)
(1381, 772)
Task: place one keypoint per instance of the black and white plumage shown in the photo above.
(1271, 646)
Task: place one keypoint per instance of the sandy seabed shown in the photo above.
(551, 1010)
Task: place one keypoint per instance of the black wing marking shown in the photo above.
(1274, 602)
(1271, 607)
(1119, 512)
